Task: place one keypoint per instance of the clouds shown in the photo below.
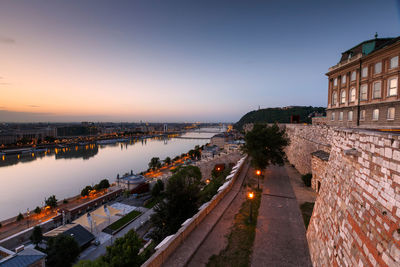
(6, 40)
(33, 106)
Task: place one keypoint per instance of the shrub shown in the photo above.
(307, 179)
(65, 201)
(20, 217)
(37, 210)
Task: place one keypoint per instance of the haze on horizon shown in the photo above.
(174, 60)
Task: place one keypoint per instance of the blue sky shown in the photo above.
(174, 60)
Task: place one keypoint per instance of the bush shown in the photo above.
(20, 217)
(85, 191)
(51, 201)
(307, 179)
(37, 210)
(65, 201)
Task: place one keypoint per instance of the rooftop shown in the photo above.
(77, 231)
(26, 257)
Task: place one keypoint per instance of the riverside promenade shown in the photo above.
(184, 253)
(280, 233)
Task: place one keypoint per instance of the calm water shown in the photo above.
(27, 181)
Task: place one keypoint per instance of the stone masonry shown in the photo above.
(356, 218)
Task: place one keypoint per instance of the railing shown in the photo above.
(162, 254)
(341, 64)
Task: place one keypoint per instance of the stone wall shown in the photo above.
(356, 218)
(304, 140)
(319, 162)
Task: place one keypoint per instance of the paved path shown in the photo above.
(188, 249)
(280, 234)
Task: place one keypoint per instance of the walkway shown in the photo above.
(193, 243)
(280, 234)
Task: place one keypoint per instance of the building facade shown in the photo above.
(363, 86)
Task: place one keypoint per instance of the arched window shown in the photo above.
(353, 94)
(334, 98)
(342, 97)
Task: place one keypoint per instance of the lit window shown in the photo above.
(341, 115)
(364, 72)
(335, 82)
(333, 116)
(392, 87)
(344, 79)
(353, 76)
(375, 114)
(353, 94)
(364, 92)
(378, 68)
(377, 90)
(350, 115)
(343, 97)
(362, 115)
(394, 62)
(390, 114)
(334, 98)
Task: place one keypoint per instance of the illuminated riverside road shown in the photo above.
(25, 183)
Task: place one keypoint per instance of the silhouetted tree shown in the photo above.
(37, 235)
(62, 251)
(51, 201)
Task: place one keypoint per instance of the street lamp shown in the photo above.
(250, 196)
(258, 172)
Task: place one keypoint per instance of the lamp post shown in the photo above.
(250, 195)
(258, 172)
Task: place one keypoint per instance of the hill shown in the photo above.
(280, 115)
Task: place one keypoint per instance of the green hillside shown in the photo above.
(280, 115)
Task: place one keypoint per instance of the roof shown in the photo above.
(369, 46)
(77, 231)
(133, 179)
(24, 258)
(321, 155)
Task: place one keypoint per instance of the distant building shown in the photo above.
(23, 257)
(82, 236)
(209, 151)
(134, 183)
(363, 86)
(221, 139)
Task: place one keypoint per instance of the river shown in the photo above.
(28, 180)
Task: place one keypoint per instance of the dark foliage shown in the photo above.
(37, 235)
(278, 115)
(51, 201)
(265, 144)
(62, 251)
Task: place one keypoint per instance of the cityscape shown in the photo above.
(199, 133)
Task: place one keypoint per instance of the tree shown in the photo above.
(37, 235)
(62, 251)
(51, 201)
(104, 184)
(85, 191)
(157, 188)
(154, 163)
(265, 144)
(20, 217)
(37, 210)
(182, 194)
(167, 160)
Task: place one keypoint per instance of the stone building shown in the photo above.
(363, 86)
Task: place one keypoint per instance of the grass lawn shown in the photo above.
(241, 238)
(306, 210)
(124, 220)
(151, 203)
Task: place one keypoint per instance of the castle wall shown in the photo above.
(356, 218)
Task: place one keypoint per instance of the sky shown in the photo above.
(175, 61)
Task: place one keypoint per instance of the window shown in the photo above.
(343, 97)
(392, 86)
(390, 114)
(333, 116)
(344, 79)
(353, 94)
(341, 115)
(375, 114)
(350, 115)
(378, 68)
(377, 90)
(362, 115)
(335, 82)
(394, 62)
(364, 92)
(334, 98)
(364, 72)
(353, 76)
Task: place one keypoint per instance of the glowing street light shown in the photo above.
(258, 172)
(207, 181)
(250, 196)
